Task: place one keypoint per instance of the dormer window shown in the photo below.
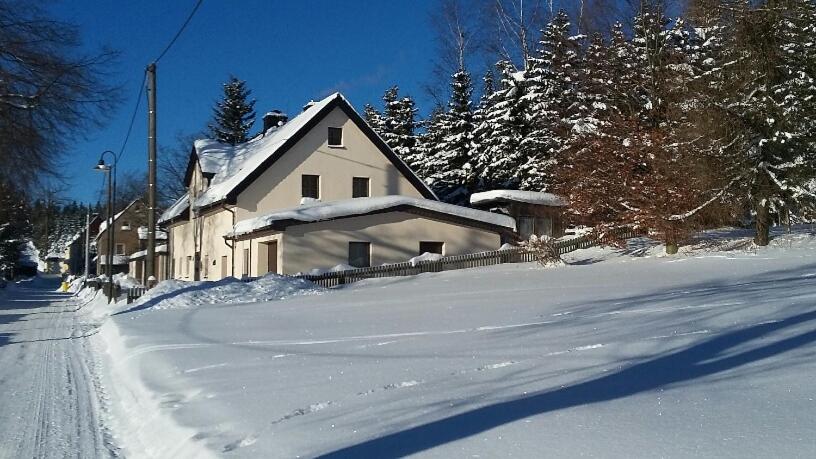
(335, 137)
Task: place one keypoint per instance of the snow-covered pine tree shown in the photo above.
(397, 126)
(479, 118)
(15, 226)
(502, 126)
(550, 102)
(763, 99)
(452, 175)
(374, 118)
(234, 114)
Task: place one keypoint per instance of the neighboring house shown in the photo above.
(138, 259)
(536, 213)
(126, 238)
(75, 250)
(320, 190)
(137, 264)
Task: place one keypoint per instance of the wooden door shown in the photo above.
(272, 257)
(224, 271)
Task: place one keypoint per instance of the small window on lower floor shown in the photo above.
(359, 254)
(120, 249)
(431, 247)
(360, 187)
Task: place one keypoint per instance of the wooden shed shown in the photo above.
(535, 212)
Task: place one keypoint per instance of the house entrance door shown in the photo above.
(272, 257)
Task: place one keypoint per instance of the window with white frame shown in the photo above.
(335, 137)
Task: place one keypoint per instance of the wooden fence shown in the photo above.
(453, 262)
(472, 260)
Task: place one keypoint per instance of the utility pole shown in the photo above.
(150, 263)
(88, 243)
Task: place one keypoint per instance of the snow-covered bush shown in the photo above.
(544, 249)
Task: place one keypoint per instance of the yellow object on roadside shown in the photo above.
(65, 286)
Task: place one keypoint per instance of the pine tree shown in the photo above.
(234, 115)
(15, 226)
(452, 174)
(760, 110)
(397, 126)
(373, 118)
(502, 126)
(550, 102)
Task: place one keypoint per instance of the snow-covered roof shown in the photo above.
(117, 259)
(142, 253)
(142, 231)
(530, 197)
(320, 211)
(232, 165)
(104, 224)
(178, 207)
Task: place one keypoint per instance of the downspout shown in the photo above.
(226, 241)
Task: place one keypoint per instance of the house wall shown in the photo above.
(180, 243)
(394, 237)
(136, 216)
(204, 234)
(212, 246)
(279, 186)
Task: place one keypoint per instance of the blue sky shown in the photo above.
(287, 51)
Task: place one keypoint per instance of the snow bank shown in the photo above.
(530, 197)
(320, 211)
(427, 256)
(174, 294)
(620, 355)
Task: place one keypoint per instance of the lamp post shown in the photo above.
(110, 170)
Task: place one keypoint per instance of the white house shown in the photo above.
(320, 190)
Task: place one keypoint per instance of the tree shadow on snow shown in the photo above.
(709, 357)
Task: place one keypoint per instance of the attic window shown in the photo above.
(335, 137)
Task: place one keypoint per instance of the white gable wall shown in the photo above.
(280, 186)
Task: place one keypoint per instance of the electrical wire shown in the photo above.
(183, 26)
(133, 117)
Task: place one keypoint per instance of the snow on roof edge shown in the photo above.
(322, 211)
(530, 197)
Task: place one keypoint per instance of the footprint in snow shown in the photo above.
(240, 443)
(313, 408)
(392, 386)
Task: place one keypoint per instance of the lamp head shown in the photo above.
(101, 166)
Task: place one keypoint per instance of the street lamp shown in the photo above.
(110, 171)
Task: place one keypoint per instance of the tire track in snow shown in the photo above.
(50, 396)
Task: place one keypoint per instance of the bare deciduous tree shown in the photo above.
(50, 92)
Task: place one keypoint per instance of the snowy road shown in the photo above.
(49, 396)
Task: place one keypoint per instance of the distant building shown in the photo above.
(126, 238)
(75, 249)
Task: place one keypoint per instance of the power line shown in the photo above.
(133, 117)
(144, 77)
(183, 26)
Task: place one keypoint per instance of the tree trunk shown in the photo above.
(763, 220)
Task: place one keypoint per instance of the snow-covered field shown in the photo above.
(617, 354)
